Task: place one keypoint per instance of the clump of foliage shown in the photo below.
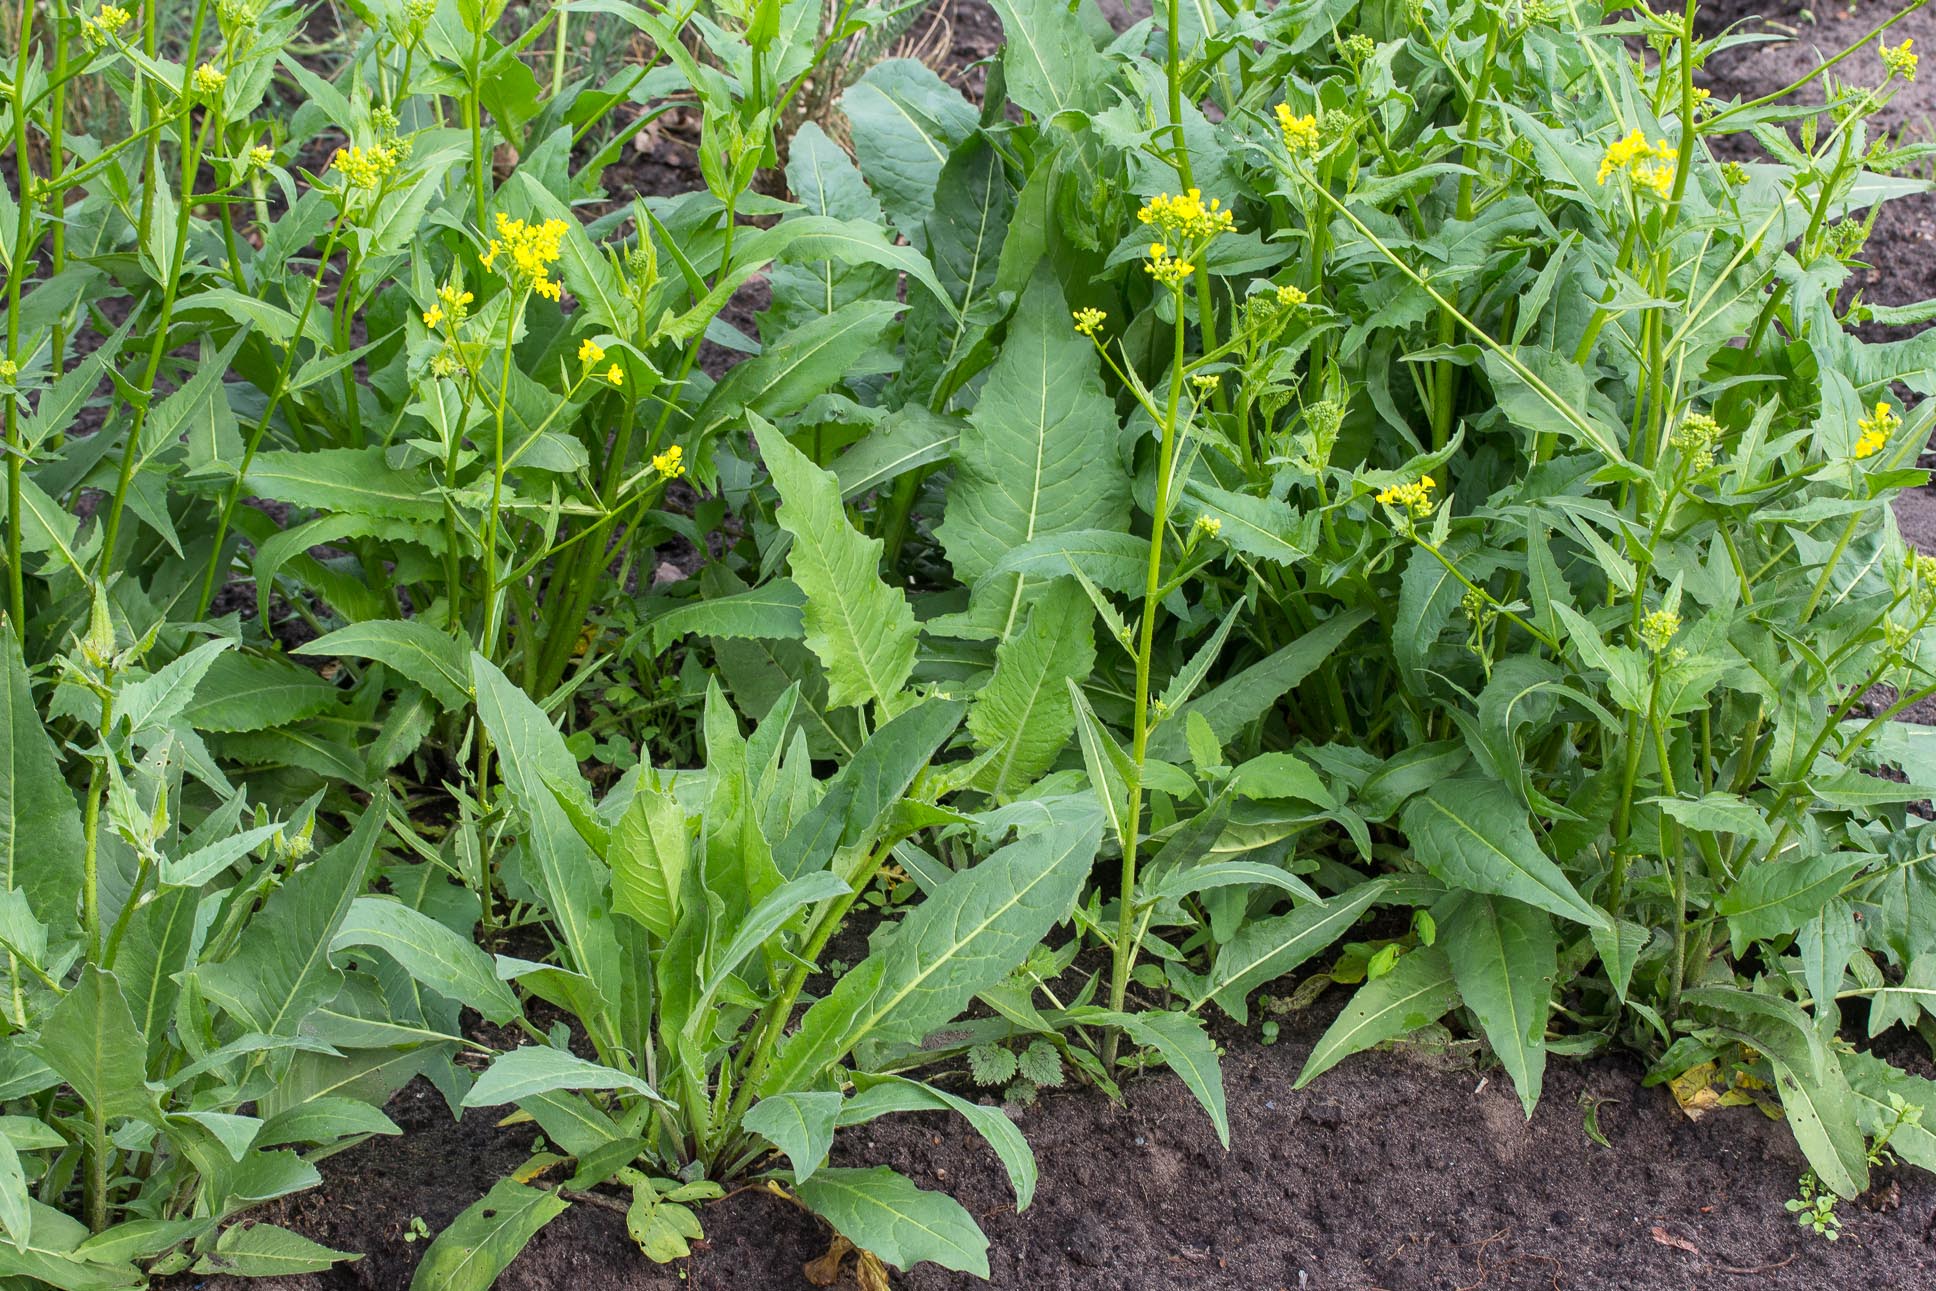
(1358, 474)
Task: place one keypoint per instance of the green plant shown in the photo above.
(181, 1042)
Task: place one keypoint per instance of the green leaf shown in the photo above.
(861, 629)
(1037, 456)
(761, 922)
(883, 1212)
(1024, 716)
(899, 1094)
(265, 1251)
(911, 439)
(1191, 1054)
(1415, 993)
(1720, 813)
(250, 693)
(798, 1123)
(49, 1256)
(16, 1217)
(1280, 775)
(40, 824)
(1248, 695)
(1261, 527)
(1472, 834)
(1774, 897)
(154, 702)
(281, 971)
(426, 655)
(1266, 949)
(355, 480)
(90, 1041)
(798, 367)
(481, 1242)
(1504, 962)
(1872, 1081)
(964, 938)
(648, 857)
(432, 954)
(1049, 62)
(539, 1069)
(905, 122)
(768, 612)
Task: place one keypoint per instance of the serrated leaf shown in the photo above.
(40, 823)
(265, 1251)
(1266, 949)
(355, 480)
(1473, 835)
(1024, 716)
(426, 655)
(1037, 456)
(1775, 897)
(1241, 699)
(905, 122)
(899, 1094)
(91, 1042)
(861, 629)
(648, 857)
(539, 1069)
(768, 612)
(249, 693)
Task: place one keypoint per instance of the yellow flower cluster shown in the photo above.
(261, 157)
(533, 249)
(8, 370)
(1185, 218)
(1415, 497)
(1292, 297)
(1657, 629)
(615, 374)
(1876, 429)
(1166, 268)
(1900, 61)
(1206, 381)
(589, 353)
(1088, 321)
(1696, 437)
(207, 82)
(453, 302)
(1209, 526)
(101, 28)
(1300, 132)
(670, 464)
(1649, 165)
(365, 167)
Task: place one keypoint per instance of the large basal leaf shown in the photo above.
(965, 234)
(482, 1241)
(1050, 63)
(534, 1069)
(825, 182)
(1776, 897)
(1415, 993)
(899, 1094)
(798, 367)
(1473, 835)
(266, 1251)
(1038, 455)
(768, 612)
(648, 855)
(1504, 962)
(1266, 949)
(355, 480)
(40, 824)
(1025, 715)
(281, 971)
(1182, 1042)
(964, 938)
(883, 1212)
(861, 629)
(48, 1256)
(905, 122)
(426, 655)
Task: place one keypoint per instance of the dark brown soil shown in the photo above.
(1410, 1169)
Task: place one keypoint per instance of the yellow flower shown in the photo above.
(589, 353)
(261, 157)
(1185, 217)
(1300, 132)
(1206, 380)
(207, 81)
(1658, 628)
(1415, 497)
(533, 249)
(1089, 320)
(670, 464)
(365, 167)
(455, 299)
(1876, 429)
(1166, 268)
(101, 28)
(8, 371)
(1209, 526)
(1900, 61)
(433, 316)
(615, 374)
(1649, 166)
(1291, 297)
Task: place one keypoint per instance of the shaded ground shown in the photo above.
(1399, 1170)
